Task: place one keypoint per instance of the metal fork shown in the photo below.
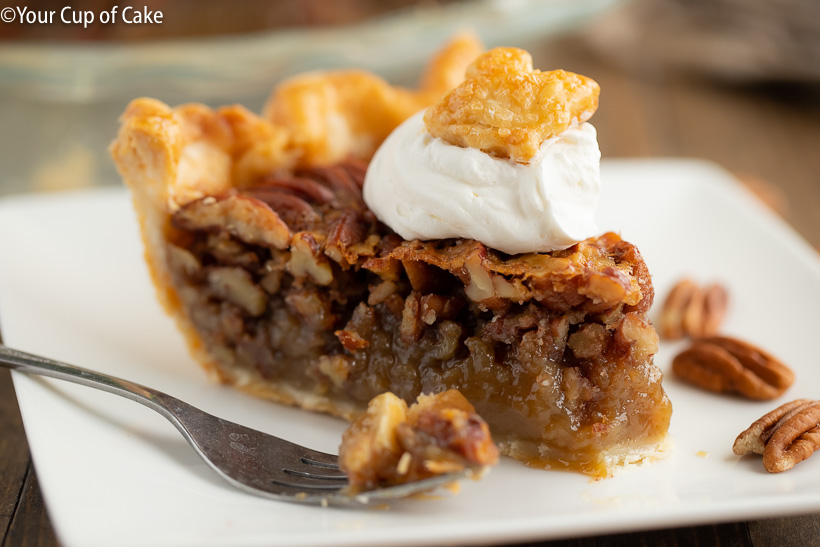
(252, 461)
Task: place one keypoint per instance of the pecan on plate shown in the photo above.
(727, 365)
(785, 436)
(692, 310)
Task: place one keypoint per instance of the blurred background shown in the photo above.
(734, 81)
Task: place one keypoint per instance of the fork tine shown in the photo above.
(309, 486)
(298, 482)
(316, 476)
(322, 465)
(301, 476)
(310, 467)
(320, 459)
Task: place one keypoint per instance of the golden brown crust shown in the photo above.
(507, 109)
(334, 115)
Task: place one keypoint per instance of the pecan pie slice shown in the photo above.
(288, 287)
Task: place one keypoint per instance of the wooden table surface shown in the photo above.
(767, 136)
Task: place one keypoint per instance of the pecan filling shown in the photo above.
(393, 444)
(295, 281)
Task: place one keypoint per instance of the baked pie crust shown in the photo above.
(507, 109)
(286, 285)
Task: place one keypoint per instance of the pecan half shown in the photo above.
(785, 436)
(727, 365)
(691, 310)
(303, 187)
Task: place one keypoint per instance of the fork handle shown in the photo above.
(35, 364)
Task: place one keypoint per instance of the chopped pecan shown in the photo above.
(727, 365)
(609, 286)
(227, 250)
(691, 310)
(588, 341)
(435, 307)
(236, 286)
(244, 217)
(449, 421)
(611, 315)
(307, 260)
(423, 277)
(361, 250)
(491, 290)
(380, 292)
(347, 230)
(589, 275)
(385, 267)
(393, 444)
(351, 340)
(272, 281)
(182, 260)
(480, 286)
(576, 387)
(411, 323)
(785, 436)
(395, 304)
(507, 327)
(637, 334)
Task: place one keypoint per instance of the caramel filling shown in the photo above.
(295, 282)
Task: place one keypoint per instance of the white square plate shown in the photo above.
(73, 286)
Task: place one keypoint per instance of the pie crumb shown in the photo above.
(392, 443)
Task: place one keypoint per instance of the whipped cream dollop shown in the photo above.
(426, 188)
